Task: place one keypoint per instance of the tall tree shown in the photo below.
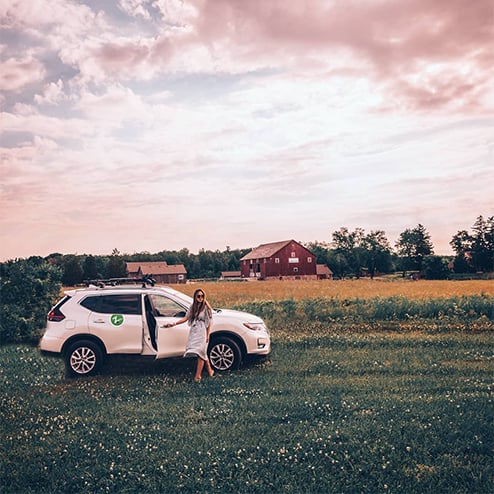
(475, 251)
(349, 245)
(412, 246)
(357, 251)
(483, 244)
(462, 245)
(377, 251)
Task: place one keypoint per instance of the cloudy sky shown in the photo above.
(145, 125)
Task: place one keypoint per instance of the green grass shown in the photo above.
(344, 412)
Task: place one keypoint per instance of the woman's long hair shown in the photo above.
(198, 306)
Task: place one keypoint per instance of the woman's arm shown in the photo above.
(180, 321)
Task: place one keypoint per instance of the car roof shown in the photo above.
(100, 290)
(118, 289)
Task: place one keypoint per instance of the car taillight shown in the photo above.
(55, 315)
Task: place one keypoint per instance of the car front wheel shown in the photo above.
(83, 358)
(224, 354)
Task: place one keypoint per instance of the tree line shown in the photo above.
(349, 254)
(357, 253)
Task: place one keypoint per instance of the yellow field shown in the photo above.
(230, 293)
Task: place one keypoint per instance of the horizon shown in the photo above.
(225, 249)
(139, 124)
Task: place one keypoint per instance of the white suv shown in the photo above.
(89, 323)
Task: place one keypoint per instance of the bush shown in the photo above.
(28, 288)
(435, 268)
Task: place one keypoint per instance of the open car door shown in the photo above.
(171, 341)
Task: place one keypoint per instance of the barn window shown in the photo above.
(309, 259)
(295, 270)
(293, 254)
(276, 260)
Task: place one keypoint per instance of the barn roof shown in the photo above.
(323, 269)
(154, 268)
(266, 250)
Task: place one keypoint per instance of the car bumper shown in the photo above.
(51, 344)
(47, 353)
(262, 347)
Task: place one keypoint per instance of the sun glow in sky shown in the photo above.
(146, 125)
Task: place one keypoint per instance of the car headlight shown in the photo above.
(255, 326)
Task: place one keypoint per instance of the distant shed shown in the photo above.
(323, 272)
(160, 271)
(230, 275)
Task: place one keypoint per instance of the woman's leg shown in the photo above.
(200, 365)
(209, 368)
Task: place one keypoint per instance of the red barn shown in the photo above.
(279, 260)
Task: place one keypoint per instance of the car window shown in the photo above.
(114, 304)
(62, 301)
(90, 303)
(167, 307)
(184, 299)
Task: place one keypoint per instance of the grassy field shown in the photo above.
(343, 409)
(223, 294)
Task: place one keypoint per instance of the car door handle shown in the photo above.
(99, 321)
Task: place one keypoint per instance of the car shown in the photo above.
(109, 317)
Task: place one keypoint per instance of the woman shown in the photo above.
(199, 316)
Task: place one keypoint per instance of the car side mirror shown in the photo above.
(179, 314)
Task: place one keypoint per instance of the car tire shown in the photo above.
(83, 358)
(224, 354)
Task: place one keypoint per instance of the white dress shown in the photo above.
(197, 345)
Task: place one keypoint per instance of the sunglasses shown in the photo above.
(200, 295)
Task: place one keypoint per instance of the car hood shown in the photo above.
(236, 314)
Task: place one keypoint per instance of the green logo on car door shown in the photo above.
(117, 319)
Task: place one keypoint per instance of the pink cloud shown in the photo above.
(17, 73)
(396, 30)
(125, 53)
(446, 89)
(393, 38)
(38, 13)
(52, 93)
(115, 58)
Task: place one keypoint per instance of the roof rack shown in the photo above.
(145, 280)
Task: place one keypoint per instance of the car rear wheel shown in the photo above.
(83, 358)
(224, 354)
